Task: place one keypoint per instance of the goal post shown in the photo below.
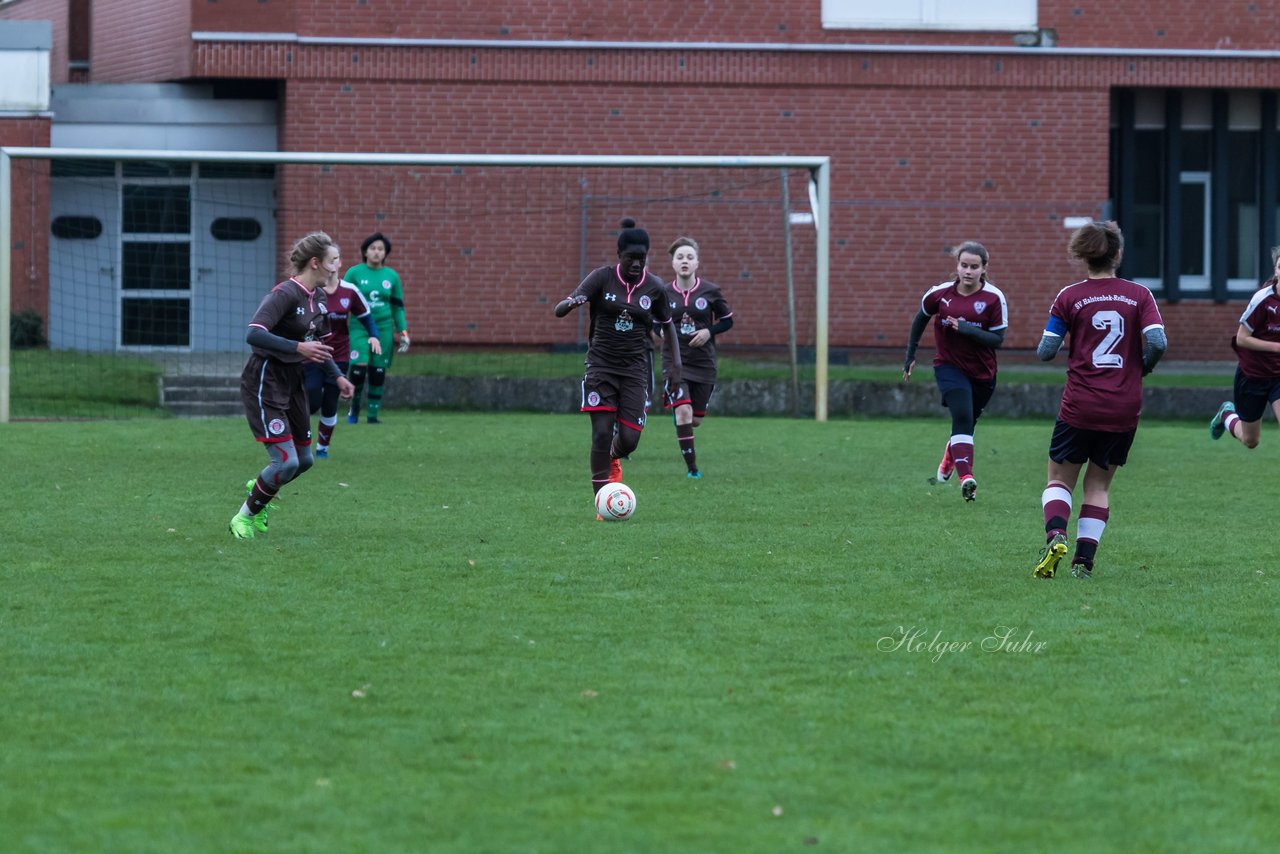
(153, 211)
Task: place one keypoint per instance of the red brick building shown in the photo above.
(1162, 115)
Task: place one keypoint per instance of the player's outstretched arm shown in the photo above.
(918, 324)
(1051, 341)
(1153, 350)
(992, 338)
(568, 304)
(1048, 347)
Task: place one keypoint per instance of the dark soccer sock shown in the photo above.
(1056, 501)
(684, 436)
(1093, 519)
(377, 379)
(358, 374)
(962, 454)
(259, 497)
(599, 469)
(325, 432)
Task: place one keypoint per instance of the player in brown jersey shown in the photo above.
(285, 333)
(700, 313)
(1257, 383)
(1117, 337)
(971, 319)
(344, 302)
(626, 301)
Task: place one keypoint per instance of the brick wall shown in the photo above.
(927, 151)
(1159, 24)
(56, 12)
(140, 41)
(30, 208)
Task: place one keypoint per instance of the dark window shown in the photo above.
(1196, 145)
(155, 322)
(156, 169)
(1144, 244)
(1242, 205)
(235, 228)
(156, 210)
(156, 266)
(1193, 222)
(76, 227)
(82, 168)
(237, 170)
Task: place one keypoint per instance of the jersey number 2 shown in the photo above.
(1104, 355)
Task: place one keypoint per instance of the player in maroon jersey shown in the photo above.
(626, 301)
(700, 313)
(285, 333)
(971, 317)
(1117, 337)
(1257, 384)
(342, 301)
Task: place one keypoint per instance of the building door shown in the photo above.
(84, 260)
(233, 239)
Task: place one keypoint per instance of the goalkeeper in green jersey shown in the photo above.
(382, 289)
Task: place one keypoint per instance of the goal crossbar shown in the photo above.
(819, 168)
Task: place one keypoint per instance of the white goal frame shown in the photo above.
(819, 168)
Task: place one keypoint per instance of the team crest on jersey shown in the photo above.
(345, 302)
(593, 399)
(645, 302)
(324, 309)
(700, 303)
(355, 355)
(623, 323)
(686, 325)
(980, 306)
(386, 284)
(275, 427)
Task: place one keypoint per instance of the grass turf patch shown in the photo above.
(438, 647)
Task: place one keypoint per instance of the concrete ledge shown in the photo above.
(772, 397)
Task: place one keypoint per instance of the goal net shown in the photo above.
(128, 278)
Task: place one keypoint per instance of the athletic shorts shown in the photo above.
(1076, 446)
(603, 391)
(951, 378)
(275, 401)
(697, 395)
(1253, 396)
(360, 354)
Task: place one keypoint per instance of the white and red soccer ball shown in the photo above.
(615, 502)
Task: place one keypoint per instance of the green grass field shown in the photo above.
(438, 648)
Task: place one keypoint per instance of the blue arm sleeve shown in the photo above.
(369, 326)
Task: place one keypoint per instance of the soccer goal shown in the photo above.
(127, 278)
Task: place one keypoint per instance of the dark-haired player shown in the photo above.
(285, 333)
(700, 313)
(343, 302)
(1257, 384)
(626, 301)
(385, 294)
(1117, 337)
(971, 319)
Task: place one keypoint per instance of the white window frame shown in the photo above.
(956, 15)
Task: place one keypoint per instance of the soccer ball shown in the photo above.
(615, 502)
